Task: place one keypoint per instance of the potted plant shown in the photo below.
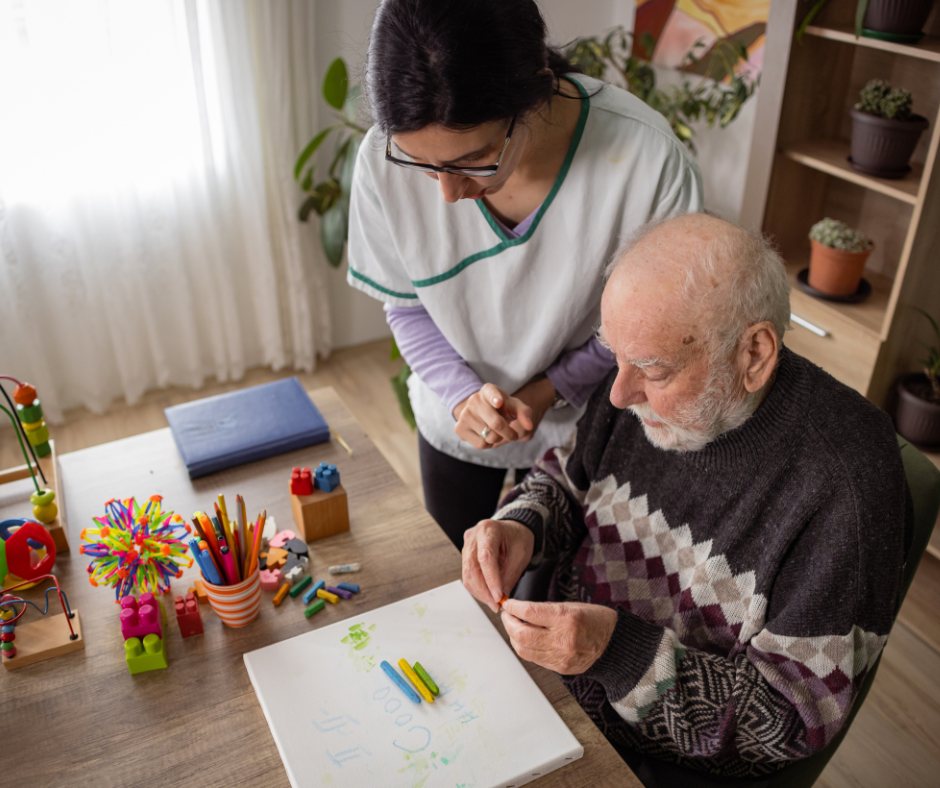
(884, 130)
(901, 21)
(838, 257)
(918, 416)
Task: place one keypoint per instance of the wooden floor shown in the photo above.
(895, 740)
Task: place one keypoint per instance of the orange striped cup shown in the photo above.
(236, 605)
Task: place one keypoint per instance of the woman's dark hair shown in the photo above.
(458, 63)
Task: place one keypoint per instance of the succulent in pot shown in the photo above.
(838, 257)
(918, 414)
(885, 130)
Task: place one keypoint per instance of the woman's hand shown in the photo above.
(492, 409)
(567, 637)
(505, 418)
(495, 554)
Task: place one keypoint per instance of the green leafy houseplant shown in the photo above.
(330, 197)
(709, 99)
(885, 131)
(878, 98)
(918, 412)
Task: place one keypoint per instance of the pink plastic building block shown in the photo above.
(140, 617)
(281, 539)
(271, 579)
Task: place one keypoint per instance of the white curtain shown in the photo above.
(148, 232)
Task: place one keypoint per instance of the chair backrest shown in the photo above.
(924, 480)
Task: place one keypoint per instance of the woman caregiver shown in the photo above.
(487, 199)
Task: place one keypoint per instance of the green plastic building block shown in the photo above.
(147, 655)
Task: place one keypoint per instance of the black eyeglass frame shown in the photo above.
(487, 171)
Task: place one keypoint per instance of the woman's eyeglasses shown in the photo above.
(470, 172)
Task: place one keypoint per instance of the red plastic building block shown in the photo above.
(301, 482)
(140, 617)
(187, 615)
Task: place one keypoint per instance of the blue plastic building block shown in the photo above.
(327, 477)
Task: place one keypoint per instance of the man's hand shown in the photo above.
(493, 409)
(567, 637)
(495, 554)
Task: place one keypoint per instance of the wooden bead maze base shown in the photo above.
(43, 638)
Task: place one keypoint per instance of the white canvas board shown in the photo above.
(339, 721)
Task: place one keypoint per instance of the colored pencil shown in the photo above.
(240, 514)
(209, 532)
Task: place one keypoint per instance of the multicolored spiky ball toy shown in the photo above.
(136, 549)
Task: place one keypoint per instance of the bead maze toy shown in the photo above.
(41, 639)
(27, 552)
(136, 548)
(325, 510)
(30, 425)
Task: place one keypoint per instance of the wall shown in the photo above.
(343, 29)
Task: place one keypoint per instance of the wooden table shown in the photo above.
(82, 719)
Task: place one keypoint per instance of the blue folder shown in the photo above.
(242, 426)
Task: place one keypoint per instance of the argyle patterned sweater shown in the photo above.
(755, 580)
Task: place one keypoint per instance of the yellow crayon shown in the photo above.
(413, 677)
(323, 594)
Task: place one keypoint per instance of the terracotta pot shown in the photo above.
(904, 17)
(917, 419)
(882, 147)
(835, 271)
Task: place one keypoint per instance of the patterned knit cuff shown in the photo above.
(532, 519)
(629, 654)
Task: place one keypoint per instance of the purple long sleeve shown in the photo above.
(578, 372)
(431, 356)
(574, 375)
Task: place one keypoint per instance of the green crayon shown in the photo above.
(295, 591)
(316, 607)
(428, 681)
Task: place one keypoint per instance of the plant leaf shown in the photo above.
(308, 180)
(335, 84)
(349, 165)
(308, 205)
(808, 19)
(333, 227)
(400, 387)
(351, 105)
(860, 10)
(338, 156)
(396, 353)
(310, 150)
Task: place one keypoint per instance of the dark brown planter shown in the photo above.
(917, 419)
(834, 271)
(904, 17)
(883, 147)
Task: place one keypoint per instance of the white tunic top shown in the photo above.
(510, 307)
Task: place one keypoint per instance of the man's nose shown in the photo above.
(628, 388)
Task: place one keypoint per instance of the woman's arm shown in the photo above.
(578, 372)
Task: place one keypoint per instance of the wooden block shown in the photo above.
(321, 514)
(44, 638)
(201, 594)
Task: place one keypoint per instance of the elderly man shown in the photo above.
(730, 523)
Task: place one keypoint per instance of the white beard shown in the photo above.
(699, 423)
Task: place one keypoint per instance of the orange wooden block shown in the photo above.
(44, 638)
(201, 594)
(321, 514)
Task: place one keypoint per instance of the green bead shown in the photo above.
(37, 437)
(7, 646)
(43, 449)
(29, 413)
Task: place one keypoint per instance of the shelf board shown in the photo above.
(832, 157)
(928, 48)
(869, 315)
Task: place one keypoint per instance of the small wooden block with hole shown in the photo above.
(321, 514)
(43, 638)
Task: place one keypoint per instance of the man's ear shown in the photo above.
(757, 355)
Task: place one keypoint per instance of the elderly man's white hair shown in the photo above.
(758, 289)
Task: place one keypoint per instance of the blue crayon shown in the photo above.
(348, 587)
(312, 591)
(403, 685)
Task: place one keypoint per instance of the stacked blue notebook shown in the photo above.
(246, 425)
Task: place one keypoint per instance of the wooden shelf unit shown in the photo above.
(865, 345)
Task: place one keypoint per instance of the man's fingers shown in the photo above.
(542, 614)
(488, 558)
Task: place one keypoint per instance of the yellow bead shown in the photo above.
(47, 513)
(37, 436)
(33, 425)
